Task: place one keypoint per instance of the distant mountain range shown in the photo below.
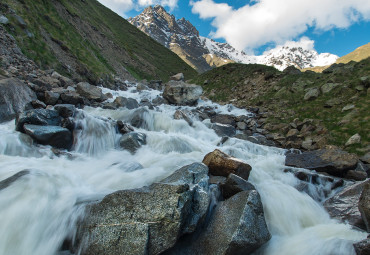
(203, 53)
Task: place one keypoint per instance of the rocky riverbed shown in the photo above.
(153, 168)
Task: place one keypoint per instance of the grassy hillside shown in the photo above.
(86, 39)
(282, 94)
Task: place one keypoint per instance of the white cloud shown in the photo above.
(118, 6)
(123, 6)
(277, 21)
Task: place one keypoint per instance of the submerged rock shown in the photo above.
(219, 163)
(9, 181)
(181, 93)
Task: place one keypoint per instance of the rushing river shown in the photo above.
(39, 210)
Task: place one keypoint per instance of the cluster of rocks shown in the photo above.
(179, 215)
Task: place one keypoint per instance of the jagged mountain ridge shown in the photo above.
(203, 53)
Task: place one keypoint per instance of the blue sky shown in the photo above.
(334, 26)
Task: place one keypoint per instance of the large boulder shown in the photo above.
(55, 136)
(221, 164)
(364, 205)
(139, 118)
(90, 92)
(181, 93)
(237, 227)
(144, 221)
(344, 205)
(129, 103)
(14, 95)
(331, 160)
(132, 141)
(43, 117)
(233, 185)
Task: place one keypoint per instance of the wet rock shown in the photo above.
(223, 130)
(181, 93)
(344, 205)
(363, 247)
(237, 227)
(178, 77)
(219, 163)
(14, 95)
(353, 140)
(9, 181)
(159, 100)
(312, 94)
(331, 160)
(132, 141)
(139, 117)
(90, 92)
(65, 110)
(364, 205)
(255, 138)
(141, 87)
(124, 128)
(143, 221)
(109, 106)
(38, 117)
(129, 103)
(233, 185)
(51, 97)
(180, 115)
(223, 119)
(55, 136)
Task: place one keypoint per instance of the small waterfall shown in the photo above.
(39, 209)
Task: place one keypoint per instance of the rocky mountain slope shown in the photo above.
(203, 53)
(302, 109)
(86, 40)
(357, 55)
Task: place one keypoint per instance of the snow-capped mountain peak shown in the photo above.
(203, 53)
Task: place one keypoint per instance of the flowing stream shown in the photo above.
(39, 209)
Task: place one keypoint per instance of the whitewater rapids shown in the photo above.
(39, 210)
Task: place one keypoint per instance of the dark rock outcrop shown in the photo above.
(332, 161)
(14, 95)
(219, 163)
(233, 185)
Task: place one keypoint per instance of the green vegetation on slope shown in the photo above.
(282, 94)
(89, 38)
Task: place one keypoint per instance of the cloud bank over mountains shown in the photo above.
(278, 21)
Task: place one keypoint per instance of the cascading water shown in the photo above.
(40, 206)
